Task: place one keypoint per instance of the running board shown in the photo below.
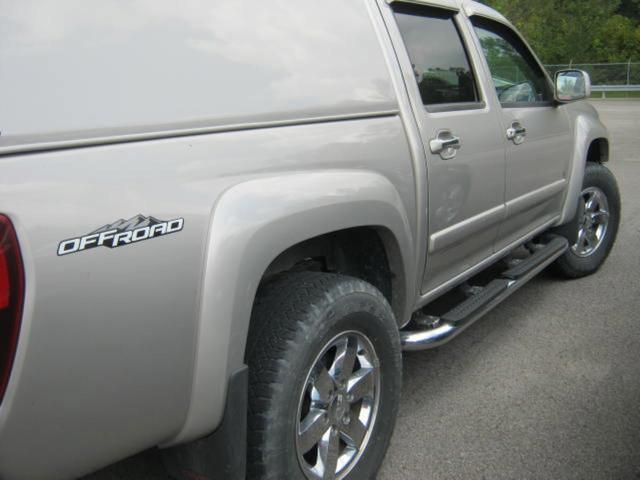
(551, 250)
(441, 330)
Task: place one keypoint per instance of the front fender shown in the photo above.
(587, 128)
(252, 223)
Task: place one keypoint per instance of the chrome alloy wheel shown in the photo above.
(338, 406)
(594, 222)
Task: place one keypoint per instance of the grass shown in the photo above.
(616, 94)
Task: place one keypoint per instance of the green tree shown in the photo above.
(618, 40)
(577, 30)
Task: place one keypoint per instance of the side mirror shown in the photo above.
(572, 85)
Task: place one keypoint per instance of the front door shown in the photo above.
(537, 132)
(461, 135)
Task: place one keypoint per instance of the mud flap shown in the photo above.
(223, 454)
(570, 229)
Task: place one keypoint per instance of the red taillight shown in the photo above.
(5, 286)
(11, 298)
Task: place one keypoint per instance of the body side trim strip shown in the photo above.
(184, 132)
(536, 197)
(458, 232)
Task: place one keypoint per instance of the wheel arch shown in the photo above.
(598, 150)
(591, 143)
(256, 224)
(371, 253)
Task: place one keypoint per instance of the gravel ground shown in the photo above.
(547, 386)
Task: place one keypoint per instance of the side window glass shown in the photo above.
(440, 62)
(516, 75)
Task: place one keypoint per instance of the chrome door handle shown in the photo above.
(516, 133)
(446, 144)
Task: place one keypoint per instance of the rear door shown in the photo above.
(461, 135)
(537, 131)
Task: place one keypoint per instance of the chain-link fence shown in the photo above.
(627, 73)
(607, 77)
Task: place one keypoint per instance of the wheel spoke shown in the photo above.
(323, 385)
(328, 451)
(592, 239)
(353, 433)
(591, 202)
(600, 216)
(343, 364)
(312, 428)
(582, 235)
(360, 385)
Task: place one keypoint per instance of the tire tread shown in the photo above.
(571, 266)
(280, 317)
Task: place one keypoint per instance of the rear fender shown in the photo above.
(252, 223)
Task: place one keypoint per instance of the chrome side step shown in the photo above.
(551, 250)
(441, 330)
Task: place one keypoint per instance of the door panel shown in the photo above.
(537, 132)
(462, 138)
(466, 196)
(536, 170)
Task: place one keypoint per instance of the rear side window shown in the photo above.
(517, 77)
(438, 56)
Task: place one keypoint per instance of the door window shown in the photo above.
(517, 77)
(438, 57)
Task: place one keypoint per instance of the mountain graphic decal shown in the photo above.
(120, 233)
(137, 221)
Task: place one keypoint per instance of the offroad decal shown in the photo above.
(121, 233)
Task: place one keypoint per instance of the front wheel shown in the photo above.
(324, 378)
(597, 223)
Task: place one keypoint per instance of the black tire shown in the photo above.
(571, 264)
(293, 318)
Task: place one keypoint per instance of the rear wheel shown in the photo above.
(324, 378)
(596, 223)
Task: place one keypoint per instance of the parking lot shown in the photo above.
(547, 386)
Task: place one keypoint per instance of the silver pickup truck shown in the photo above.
(221, 223)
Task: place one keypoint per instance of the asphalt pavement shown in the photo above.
(547, 386)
